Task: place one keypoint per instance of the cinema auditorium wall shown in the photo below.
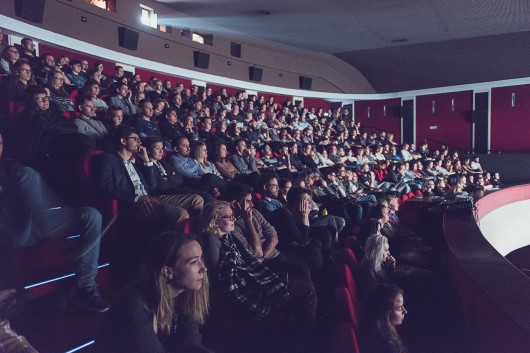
(282, 65)
(493, 293)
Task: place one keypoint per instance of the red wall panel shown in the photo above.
(510, 126)
(446, 126)
(317, 103)
(146, 75)
(378, 120)
(58, 52)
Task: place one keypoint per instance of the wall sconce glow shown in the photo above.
(433, 107)
(368, 112)
(513, 99)
(452, 104)
(384, 110)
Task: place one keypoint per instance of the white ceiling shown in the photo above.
(335, 26)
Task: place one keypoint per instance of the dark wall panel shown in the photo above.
(510, 126)
(452, 127)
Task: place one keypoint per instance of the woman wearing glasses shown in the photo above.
(10, 56)
(59, 97)
(254, 290)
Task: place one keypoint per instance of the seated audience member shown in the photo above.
(43, 129)
(309, 159)
(395, 177)
(161, 311)
(378, 266)
(98, 67)
(176, 104)
(131, 182)
(122, 99)
(206, 134)
(475, 165)
(92, 89)
(242, 160)
(260, 238)
(74, 75)
(169, 125)
(429, 188)
(60, 98)
(200, 154)
(188, 167)
(113, 119)
(87, 124)
(27, 51)
(45, 69)
(269, 190)
(228, 170)
(157, 92)
(159, 105)
(169, 182)
(18, 84)
(496, 180)
(254, 289)
(32, 214)
(10, 56)
(145, 125)
(382, 310)
(285, 185)
(188, 129)
(292, 222)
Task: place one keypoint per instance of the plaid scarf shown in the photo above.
(250, 284)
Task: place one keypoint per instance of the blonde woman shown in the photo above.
(161, 311)
(200, 154)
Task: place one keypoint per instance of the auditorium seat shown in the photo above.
(344, 339)
(345, 280)
(346, 311)
(348, 257)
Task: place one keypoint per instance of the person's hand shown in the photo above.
(215, 192)
(305, 207)
(146, 205)
(391, 262)
(245, 209)
(323, 183)
(142, 153)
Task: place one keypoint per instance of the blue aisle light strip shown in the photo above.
(54, 208)
(73, 236)
(81, 347)
(58, 278)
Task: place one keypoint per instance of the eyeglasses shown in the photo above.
(42, 99)
(135, 139)
(274, 186)
(229, 217)
(25, 70)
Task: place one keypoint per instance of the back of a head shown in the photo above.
(235, 191)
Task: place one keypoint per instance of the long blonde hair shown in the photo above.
(196, 153)
(164, 250)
